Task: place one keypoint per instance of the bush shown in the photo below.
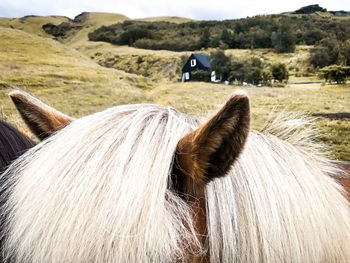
(335, 73)
(130, 36)
(253, 70)
(236, 68)
(201, 75)
(220, 63)
(325, 53)
(279, 72)
(267, 77)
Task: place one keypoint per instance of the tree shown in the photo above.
(236, 69)
(227, 37)
(283, 40)
(345, 53)
(259, 38)
(325, 53)
(253, 70)
(279, 72)
(220, 63)
(204, 40)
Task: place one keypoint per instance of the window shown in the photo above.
(187, 75)
(193, 62)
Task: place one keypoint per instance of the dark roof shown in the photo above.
(203, 59)
(203, 63)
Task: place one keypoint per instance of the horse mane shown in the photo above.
(98, 191)
(83, 196)
(278, 193)
(301, 131)
(13, 143)
(296, 128)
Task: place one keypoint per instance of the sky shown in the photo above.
(195, 9)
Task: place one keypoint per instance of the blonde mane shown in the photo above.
(279, 203)
(100, 191)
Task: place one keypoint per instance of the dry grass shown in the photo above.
(154, 64)
(77, 85)
(32, 24)
(199, 98)
(64, 77)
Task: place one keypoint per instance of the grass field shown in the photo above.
(199, 98)
(69, 80)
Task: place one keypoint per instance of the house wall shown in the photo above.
(191, 64)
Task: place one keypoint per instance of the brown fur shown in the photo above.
(42, 120)
(208, 153)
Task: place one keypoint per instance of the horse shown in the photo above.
(13, 143)
(147, 183)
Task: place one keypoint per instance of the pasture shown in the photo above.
(69, 80)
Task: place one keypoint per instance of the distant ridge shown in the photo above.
(310, 9)
(340, 13)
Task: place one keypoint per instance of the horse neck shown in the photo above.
(198, 205)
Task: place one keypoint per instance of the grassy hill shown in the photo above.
(68, 79)
(85, 22)
(68, 75)
(32, 24)
(160, 65)
(90, 21)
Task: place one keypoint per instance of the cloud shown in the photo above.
(204, 9)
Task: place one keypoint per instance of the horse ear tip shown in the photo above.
(17, 96)
(14, 93)
(240, 94)
(239, 97)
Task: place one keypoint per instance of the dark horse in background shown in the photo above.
(13, 143)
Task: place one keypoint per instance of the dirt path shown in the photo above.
(336, 115)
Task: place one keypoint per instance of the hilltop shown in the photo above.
(311, 9)
(171, 19)
(32, 24)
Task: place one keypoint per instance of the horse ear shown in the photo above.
(41, 119)
(209, 151)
